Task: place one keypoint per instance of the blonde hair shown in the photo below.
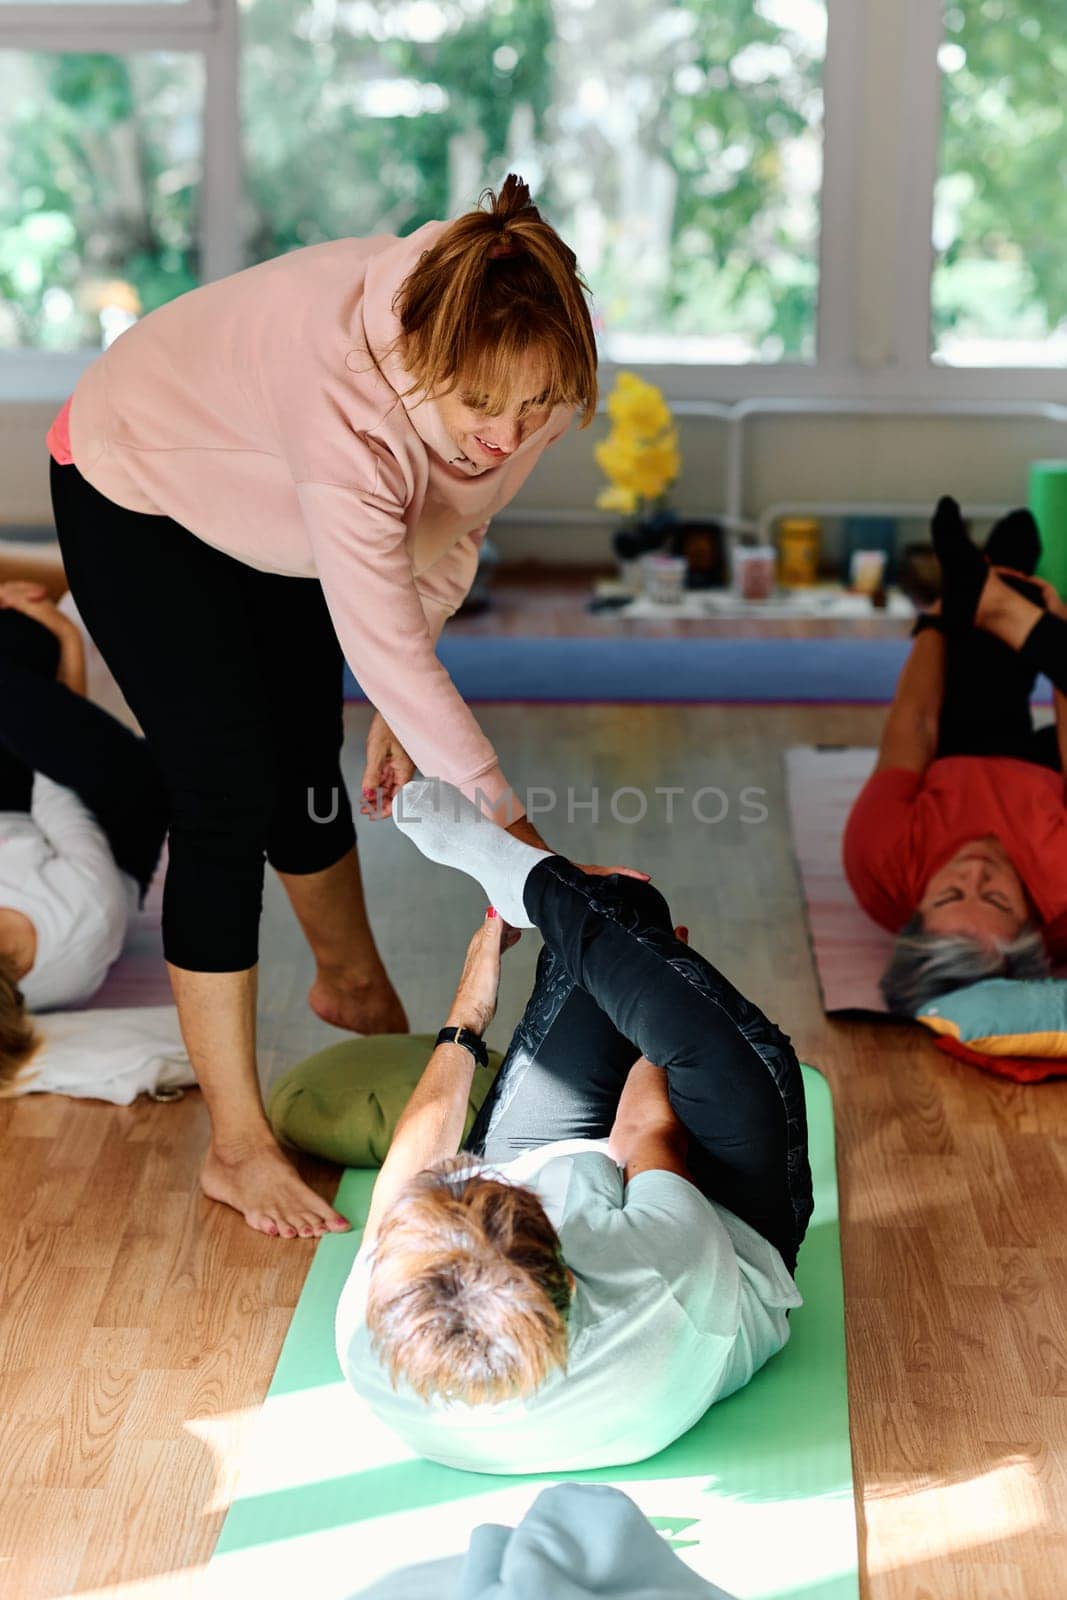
(498, 285)
(19, 1041)
(469, 1293)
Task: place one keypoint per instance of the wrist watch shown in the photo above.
(468, 1039)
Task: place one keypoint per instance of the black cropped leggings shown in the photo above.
(45, 727)
(985, 709)
(235, 676)
(614, 983)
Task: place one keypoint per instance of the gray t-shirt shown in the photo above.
(677, 1304)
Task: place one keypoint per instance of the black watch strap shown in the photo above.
(468, 1039)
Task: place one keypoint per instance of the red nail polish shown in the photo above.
(492, 911)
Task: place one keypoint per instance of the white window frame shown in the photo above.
(882, 126)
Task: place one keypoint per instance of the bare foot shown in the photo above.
(270, 1194)
(359, 1004)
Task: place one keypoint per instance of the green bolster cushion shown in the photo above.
(1004, 1017)
(344, 1102)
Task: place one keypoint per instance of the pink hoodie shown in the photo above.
(250, 412)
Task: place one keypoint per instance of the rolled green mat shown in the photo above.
(1048, 501)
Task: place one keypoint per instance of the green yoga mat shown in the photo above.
(757, 1497)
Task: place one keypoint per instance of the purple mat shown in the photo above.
(139, 976)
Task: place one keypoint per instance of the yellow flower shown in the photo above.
(640, 455)
(618, 460)
(657, 467)
(638, 407)
(624, 500)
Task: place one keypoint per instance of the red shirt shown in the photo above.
(905, 825)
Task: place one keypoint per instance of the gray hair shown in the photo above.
(924, 965)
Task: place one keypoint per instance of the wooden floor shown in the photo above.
(140, 1324)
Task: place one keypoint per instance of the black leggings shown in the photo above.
(235, 675)
(45, 727)
(614, 983)
(986, 705)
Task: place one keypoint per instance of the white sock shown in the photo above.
(450, 829)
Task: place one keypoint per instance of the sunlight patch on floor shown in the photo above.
(227, 1436)
(921, 1524)
(293, 1440)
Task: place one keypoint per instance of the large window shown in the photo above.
(730, 242)
(1000, 213)
(676, 145)
(100, 164)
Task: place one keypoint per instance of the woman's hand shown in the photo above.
(1050, 596)
(387, 770)
(606, 872)
(16, 589)
(19, 595)
(475, 1003)
(32, 600)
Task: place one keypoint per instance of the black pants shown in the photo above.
(614, 983)
(235, 675)
(986, 706)
(45, 727)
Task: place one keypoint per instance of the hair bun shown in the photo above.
(513, 199)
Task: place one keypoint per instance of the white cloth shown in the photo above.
(677, 1303)
(56, 867)
(107, 1055)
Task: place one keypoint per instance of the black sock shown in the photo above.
(964, 569)
(1014, 541)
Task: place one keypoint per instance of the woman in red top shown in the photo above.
(958, 841)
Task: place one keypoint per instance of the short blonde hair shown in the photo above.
(499, 284)
(469, 1292)
(18, 1038)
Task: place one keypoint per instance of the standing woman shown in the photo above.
(293, 463)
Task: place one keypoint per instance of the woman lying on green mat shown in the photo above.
(958, 841)
(612, 1250)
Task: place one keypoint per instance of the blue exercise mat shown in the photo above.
(699, 671)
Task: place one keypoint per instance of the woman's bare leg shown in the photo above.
(352, 988)
(244, 1166)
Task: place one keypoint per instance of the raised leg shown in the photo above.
(733, 1077)
(985, 709)
(567, 1062)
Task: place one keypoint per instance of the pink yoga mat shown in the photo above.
(139, 976)
(850, 950)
